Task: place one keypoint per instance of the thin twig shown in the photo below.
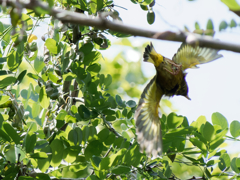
(109, 126)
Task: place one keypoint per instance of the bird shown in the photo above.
(170, 80)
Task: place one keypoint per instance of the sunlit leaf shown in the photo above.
(235, 128)
(44, 100)
(57, 152)
(232, 4)
(52, 45)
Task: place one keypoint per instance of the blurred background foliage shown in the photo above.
(126, 75)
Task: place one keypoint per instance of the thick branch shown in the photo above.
(102, 23)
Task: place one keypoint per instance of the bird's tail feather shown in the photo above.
(147, 119)
(150, 55)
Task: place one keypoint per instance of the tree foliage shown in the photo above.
(63, 116)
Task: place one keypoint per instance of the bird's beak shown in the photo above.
(187, 97)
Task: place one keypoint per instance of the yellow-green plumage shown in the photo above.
(147, 119)
(169, 81)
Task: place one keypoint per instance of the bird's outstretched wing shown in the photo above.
(147, 119)
(189, 56)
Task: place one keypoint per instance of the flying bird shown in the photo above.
(169, 81)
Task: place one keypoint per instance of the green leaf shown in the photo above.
(1, 120)
(94, 148)
(33, 76)
(4, 135)
(225, 161)
(124, 112)
(53, 77)
(20, 77)
(103, 134)
(39, 155)
(173, 121)
(60, 118)
(232, 4)
(108, 80)
(110, 139)
(11, 132)
(235, 129)
(43, 99)
(121, 169)
(50, 3)
(86, 48)
(94, 68)
(223, 25)
(91, 57)
(104, 164)
(42, 175)
(131, 104)
(210, 25)
(3, 99)
(199, 144)
(146, 2)
(5, 72)
(30, 142)
(57, 152)
(199, 124)
(95, 161)
(133, 156)
(92, 177)
(145, 8)
(119, 100)
(75, 136)
(24, 178)
(219, 119)
(208, 131)
(112, 102)
(92, 88)
(108, 112)
(36, 108)
(129, 115)
(92, 133)
(85, 134)
(150, 17)
(3, 60)
(52, 45)
(70, 119)
(233, 23)
(96, 5)
(235, 165)
(197, 26)
(70, 153)
(215, 143)
(83, 112)
(14, 60)
(81, 4)
(69, 76)
(7, 81)
(212, 162)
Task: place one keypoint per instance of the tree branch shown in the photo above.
(103, 23)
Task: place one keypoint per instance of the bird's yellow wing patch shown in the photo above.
(147, 119)
(189, 56)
